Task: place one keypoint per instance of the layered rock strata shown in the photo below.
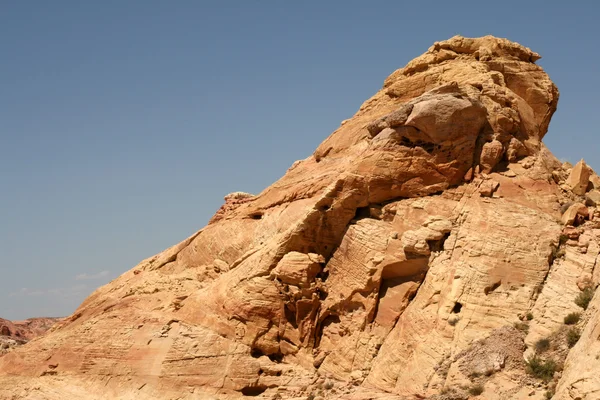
(418, 253)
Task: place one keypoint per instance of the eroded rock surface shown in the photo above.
(402, 259)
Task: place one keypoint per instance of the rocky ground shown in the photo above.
(431, 247)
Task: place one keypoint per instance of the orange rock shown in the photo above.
(579, 179)
(372, 262)
(575, 214)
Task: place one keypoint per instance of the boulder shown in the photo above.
(595, 180)
(579, 178)
(298, 269)
(516, 150)
(575, 214)
(491, 153)
(592, 198)
(488, 187)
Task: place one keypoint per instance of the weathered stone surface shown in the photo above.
(392, 262)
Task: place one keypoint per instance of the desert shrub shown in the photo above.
(573, 336)
(583, 299)
(529, 316)
(542, 369)
(542, 345)
(572, 318)
(476, 390)
(522, 326)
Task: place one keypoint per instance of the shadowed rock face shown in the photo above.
(424, 224)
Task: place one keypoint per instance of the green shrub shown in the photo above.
(572, 318)
(529, 316)
(583, 299)
(573, 336)
(542, 369)
(476, 390)
(542, 345)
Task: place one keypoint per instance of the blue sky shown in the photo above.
(124, 123)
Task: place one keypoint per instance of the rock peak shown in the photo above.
(486, 47)
(419, 251)
(519, 96)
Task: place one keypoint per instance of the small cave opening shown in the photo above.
(412, 296)
(254, 390)
(256, 215)
(362, 212)
(457, 307)
(331, 319)
(322, 294)
(502, 166)
(428, 147)
(290, 316)
(323, 275)
(324, 207)
(5, 331)
(438, 245)
(256, 353)
(276, 357)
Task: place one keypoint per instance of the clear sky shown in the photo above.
(123, 123)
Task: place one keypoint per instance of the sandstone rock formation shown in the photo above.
(16, 333)
(418, 253)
